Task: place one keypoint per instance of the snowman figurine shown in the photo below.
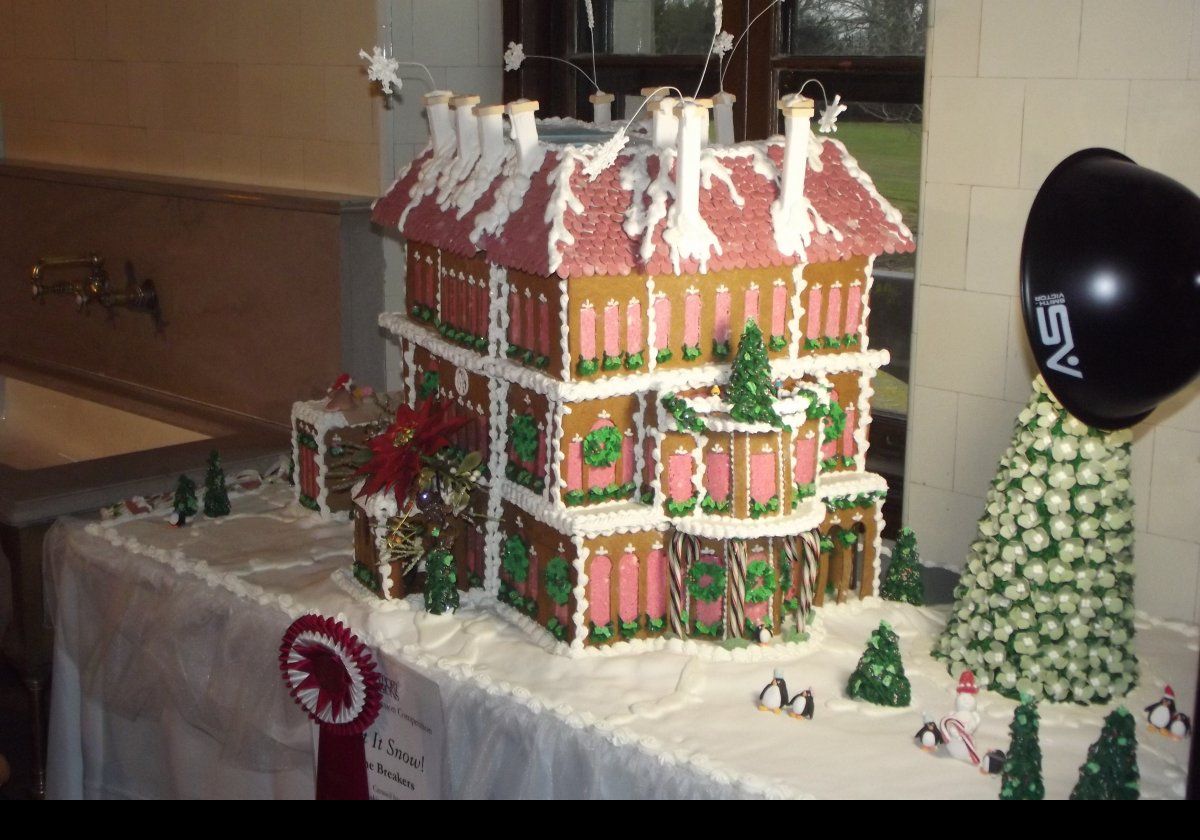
(958, 728)
(774, 696)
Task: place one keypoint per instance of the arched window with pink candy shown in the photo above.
(680, 492)
(588, 363)
(718, 478)
(779, 308)
(628, 574)
(764, 486)
(600, 592)
(656, 587)
(692, 307)
(662, 327)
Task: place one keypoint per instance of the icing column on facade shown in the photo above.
(524, 129)
(665, 126)
(466, 125)
(491, 132)
(793, 225)
(601, 106)
(723, 114)
(441, 127)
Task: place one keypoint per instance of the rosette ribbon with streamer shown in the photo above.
(332, 676)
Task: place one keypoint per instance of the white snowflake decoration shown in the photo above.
(606, 155)
(723, 44)
(829, 116)
(514, 56)
(382, 68)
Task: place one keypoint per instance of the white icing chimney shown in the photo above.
(723, 113)
(601, 106)
(693, 119)
(652, 95)
(524, 129)
(441, 128)
(797, 111)
(665, 129)
(491, 131)
(704, 125)
(467, 125)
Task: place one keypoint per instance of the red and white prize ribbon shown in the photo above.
(332, 676)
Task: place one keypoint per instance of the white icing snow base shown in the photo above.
(686, 709)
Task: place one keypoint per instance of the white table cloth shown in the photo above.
(166, 684)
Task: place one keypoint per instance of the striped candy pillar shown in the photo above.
(681, 553)
(735, 608)
(811, 543)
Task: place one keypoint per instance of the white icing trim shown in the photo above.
(676, 380)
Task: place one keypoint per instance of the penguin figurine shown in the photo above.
(1180, 726)
(763, 635)
(993, 763)
(929, 737)
(774, 696)
(802, 705)
(1159, 714)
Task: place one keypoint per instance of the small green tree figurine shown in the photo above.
(1022, 778)
(441, 593)
(879, 677)
(216, 498)
(903, 579)
(750, 388)
(185, 503)
(1111, 768)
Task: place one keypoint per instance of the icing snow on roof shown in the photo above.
(556, 220)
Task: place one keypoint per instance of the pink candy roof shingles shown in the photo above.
(839, 193)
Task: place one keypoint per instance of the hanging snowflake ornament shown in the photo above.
(382, 68)
(833, 110)
(722, 45)
(606, 155)
(332, 676)
(513, 56)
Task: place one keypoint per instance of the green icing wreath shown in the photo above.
(428, 386)
(602, 447)
(558, 580)
(514, 557)
(760, 582)
(524, 435)
(716, 585)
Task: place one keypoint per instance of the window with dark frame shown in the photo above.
(870, 52)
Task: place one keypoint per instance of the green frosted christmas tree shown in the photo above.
(441, 593)
(751, 390)
(879, 677)
(1045, 603)
(1022, 778)
(1111, 768)
(903, 579)
(184, 502)
(216, 497)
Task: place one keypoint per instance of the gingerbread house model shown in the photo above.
(584, 311)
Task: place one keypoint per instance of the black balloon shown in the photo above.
(1110, 286)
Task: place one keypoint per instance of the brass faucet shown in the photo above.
(96, 277)
(138, 295)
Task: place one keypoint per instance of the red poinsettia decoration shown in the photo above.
(396, 453)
